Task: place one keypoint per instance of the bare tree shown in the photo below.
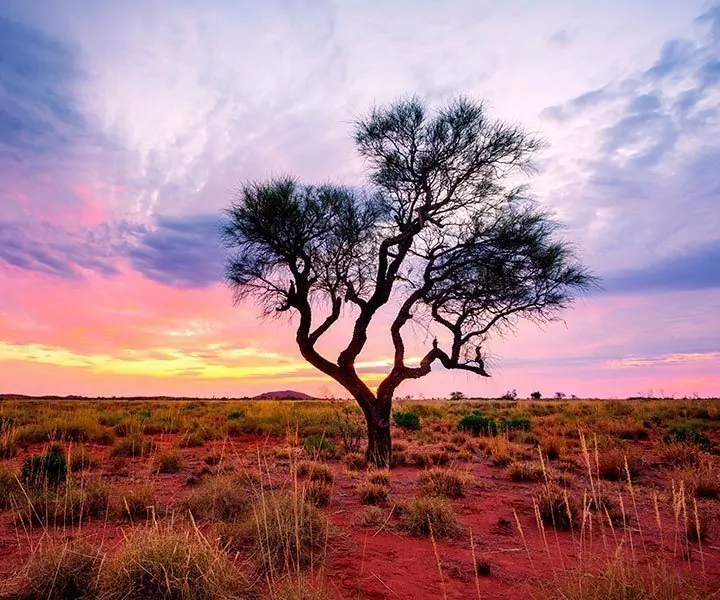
(440, 229)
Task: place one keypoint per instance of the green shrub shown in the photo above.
(49, 470)
(679, 435)
(317, 443)
(478, 424)
(235, 415)
(406, 419)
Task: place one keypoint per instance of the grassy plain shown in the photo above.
(180, 499)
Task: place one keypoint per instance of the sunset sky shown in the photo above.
(126, 126)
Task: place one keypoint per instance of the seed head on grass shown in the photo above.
(419, 514)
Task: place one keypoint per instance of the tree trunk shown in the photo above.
(379, 448)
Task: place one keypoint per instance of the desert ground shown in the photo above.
(170, 498)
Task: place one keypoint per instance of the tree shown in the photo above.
(457, 396)
(440, 230)
(536, 395)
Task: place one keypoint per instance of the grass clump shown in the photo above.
(48, 470)
(9, 487)
(378, 476)
(621, 579)
(225, 498)
(525, 471)
(318, 492)
(59, 571)
(477, 424)
(373, 493)
(354, 461)
(289, 534)
(444, 483)
(315, 471)
(556, 507)
(419, 515)
(371, 516)
(687, 434)
(613, 464)
(168, 461)
(171, 564)
(406, 419)
(81, 459)
(139, 502)
(133, 445)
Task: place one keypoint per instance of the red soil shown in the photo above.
(381, 563)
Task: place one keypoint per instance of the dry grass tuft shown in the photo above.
(445, 483)
(373, 493)
(162, 563)
(168, 461)
(419, 515)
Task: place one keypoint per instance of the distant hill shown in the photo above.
(283, 395)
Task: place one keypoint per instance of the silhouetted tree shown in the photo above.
(440, 230)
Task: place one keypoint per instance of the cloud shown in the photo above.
(665, 359)
(635, 171)
(180, 251)
(38, 112)
(696, 268)
(52, 250)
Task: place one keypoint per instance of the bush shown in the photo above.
(680, 454)
(679, 435)
(418, 515)
(168, 461)
(406, 419)
(168, 564)
(236, 415)
(478, 424)
(536, 395)
(48, 470)
(516, 424)
(445, 483)
(61, 571)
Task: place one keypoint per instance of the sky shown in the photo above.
(126, 127)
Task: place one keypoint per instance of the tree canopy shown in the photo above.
(443, 227)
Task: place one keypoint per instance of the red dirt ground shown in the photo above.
(382, 563)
